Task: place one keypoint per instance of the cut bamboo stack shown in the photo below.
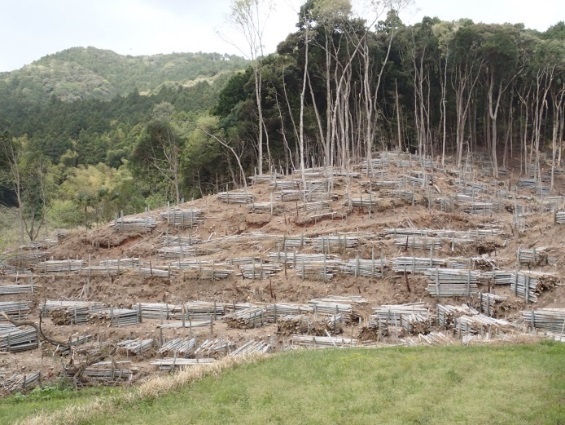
(529, 285)
(416, 264)
(252, 317)
(16, 289)
(236, 197)
(70, 312)
(447, 314)
(135, 347)
(479, 324)
(258, 270)
(550, 319)
(214, 348)
(452, 282)
(178, 347)
(109, 371)
(16, 310)
(491, 304)
(16, 339)
(312, 341)
(533, 257)
(59, 266)
(114, 317)
(183, 217)
(365, 268)
(251, 347)
(134, 224)
(19, 382)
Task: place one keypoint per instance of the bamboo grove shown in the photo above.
(341, 87)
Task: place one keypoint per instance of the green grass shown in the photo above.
(514, 384)
(45, 400)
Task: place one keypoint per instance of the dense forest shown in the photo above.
(86, 134)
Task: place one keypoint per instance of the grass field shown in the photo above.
(511, 384)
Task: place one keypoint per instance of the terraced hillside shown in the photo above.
(397, 251)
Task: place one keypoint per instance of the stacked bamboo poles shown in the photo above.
(170, 364)
(364, 267)
(317, 270)
(490, 303)
(70, 312)
(532, 257)
(236, 197)
(322, 341)
(337, 307)
(446, 314)
(16, 339)
(121, 263)
(136, 347)
(251, 347)
(59, 266)
(214, 348)
(274, 311)
(433, 338)
(396, 315)
(115, 317)
(15, 309)
(201, 271)
(529, 285)
(183, 347)
(252, 317)
(452, 282)
(478, 324)
(134, 224)
(180, 251)
(416, 264)
(369, 202)
(259, 270)
(266, 208)
(183, 217)
(549, 319)
(418, 242)
(19, 382)
(296, 259)
(16, 289)
(559, 217)
(335, 242)
(302, 324)
(109, 371)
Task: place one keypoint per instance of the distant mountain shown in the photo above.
(82, 73)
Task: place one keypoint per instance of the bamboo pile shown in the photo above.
(491, 304)
(100, 271)
(70, 312)
(416, 264)
(170, 364)
(109, 371)
(25, 259)
(59, 266)
(274, 311)
(331, 242)
(251, 347)
(365, 268)
(266, 208)
(135, 347)
(329, 307)
(302, 324)
(280, 184)
(251, 317)
(481, 208)
(259, 271)
(19, 382)
(368, 203)
(447, 314)
(372, 331)
(114, 317)
(73, 342)
(15, 339)
(214, 348)
(17, 310)
(418, 178)
(154, 272)
(290, 195)
(319, 206)
(549, 319)
(447, 276)
(187, 323)
(214, 272)
(396, 315)
(418, 242)
(134, 224)
(121, 263)
(236, 197)
(16, 289)
(317, 270)
(198, 310)
(183, 347)
(533, 257)
(478, 324)
(452, 289)
(415, 324)
(296, 259)
(180, 251)
(183, 218)
(433, 338)
(312, 341)
(529, 285)
(559, 217)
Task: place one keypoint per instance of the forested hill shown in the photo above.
(89, 73)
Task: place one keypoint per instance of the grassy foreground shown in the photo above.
(512, 384)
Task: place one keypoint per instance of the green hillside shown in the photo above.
(91, 73)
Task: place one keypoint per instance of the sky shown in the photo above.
(31, 29)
